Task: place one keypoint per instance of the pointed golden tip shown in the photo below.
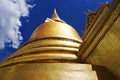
(55, 15)
(55, 10)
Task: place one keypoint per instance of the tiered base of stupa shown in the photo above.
(48, 71)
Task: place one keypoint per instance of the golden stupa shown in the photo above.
(49, 54)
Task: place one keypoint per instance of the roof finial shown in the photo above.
(55, 15)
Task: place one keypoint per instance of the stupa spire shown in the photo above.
(55, 15)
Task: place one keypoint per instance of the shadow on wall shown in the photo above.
(103, 73)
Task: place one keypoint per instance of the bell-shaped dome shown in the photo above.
(52, 41)
(55, 27)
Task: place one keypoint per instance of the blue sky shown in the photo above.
(32, 13)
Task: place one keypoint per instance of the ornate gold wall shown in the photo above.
(102, 40)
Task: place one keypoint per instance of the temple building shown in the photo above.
(55, 51)
(101, 39)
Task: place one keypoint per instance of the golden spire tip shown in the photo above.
(55, 15)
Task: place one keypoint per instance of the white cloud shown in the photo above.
(10, 13)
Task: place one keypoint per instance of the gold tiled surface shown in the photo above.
(48, 71)
(107, 53)
(102, 47)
